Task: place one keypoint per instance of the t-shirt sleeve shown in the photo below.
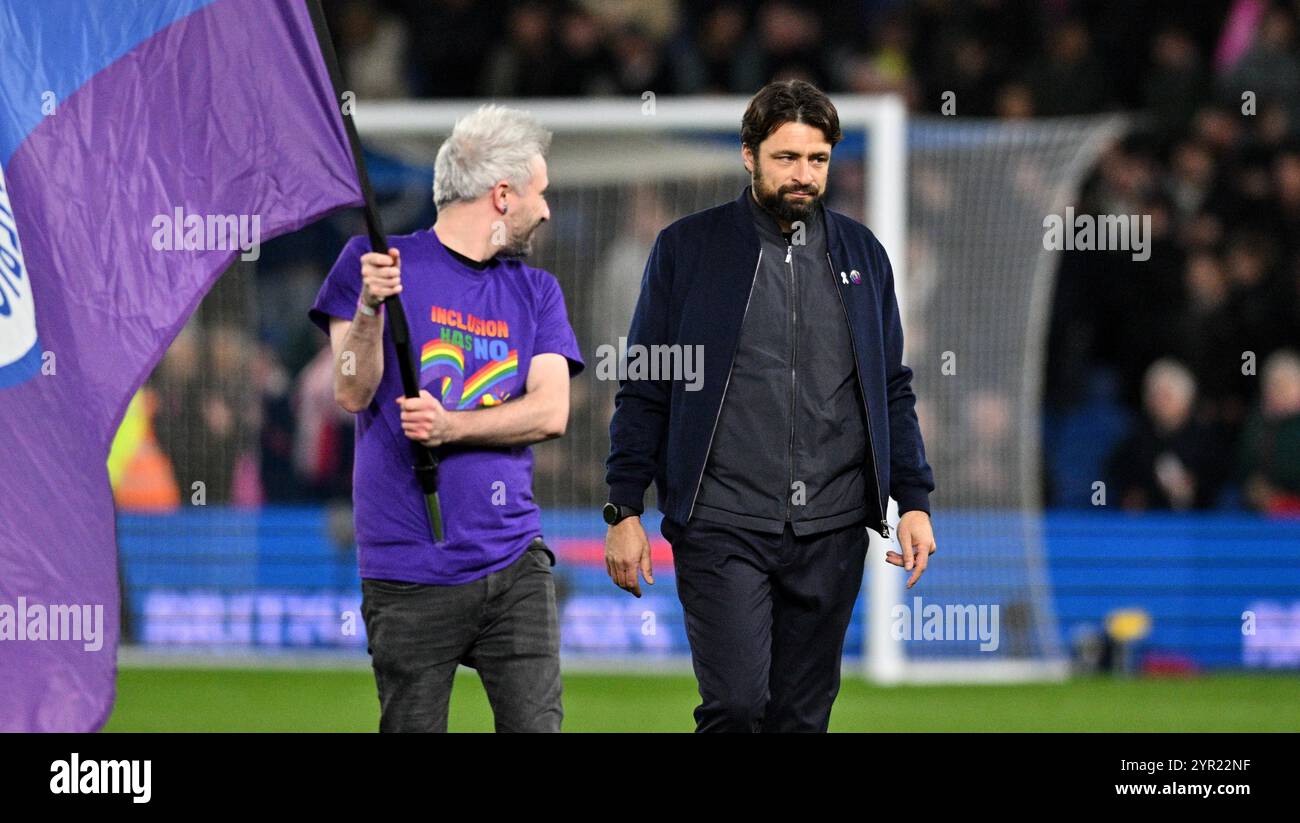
(342, 287)
(554, 334)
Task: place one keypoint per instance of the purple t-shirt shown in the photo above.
(474, 333)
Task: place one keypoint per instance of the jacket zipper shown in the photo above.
(709, 448)
(794, 358)
(871, 440)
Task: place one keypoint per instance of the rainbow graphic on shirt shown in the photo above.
(441, 352)
(478, 384)
(464, 340)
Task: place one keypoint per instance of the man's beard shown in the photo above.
(519, 245)
(784, 209)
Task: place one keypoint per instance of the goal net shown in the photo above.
(975, 316)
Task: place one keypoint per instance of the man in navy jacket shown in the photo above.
(769, 466)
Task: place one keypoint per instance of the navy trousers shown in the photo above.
(766, 616)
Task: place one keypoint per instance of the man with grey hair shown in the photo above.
(496, 355)
(1172, 459)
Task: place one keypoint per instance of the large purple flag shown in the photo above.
(144, 146)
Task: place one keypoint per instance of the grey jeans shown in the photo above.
(504, 625)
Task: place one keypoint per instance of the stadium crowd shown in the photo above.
(1192, 354)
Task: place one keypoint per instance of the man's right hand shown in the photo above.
(627, 550)
(381, 276)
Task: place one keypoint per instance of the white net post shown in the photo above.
(886, 161)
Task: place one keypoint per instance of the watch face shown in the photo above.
(611, 513)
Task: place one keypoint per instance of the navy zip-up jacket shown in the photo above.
(695, 292)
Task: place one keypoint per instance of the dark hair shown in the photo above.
(788, 101)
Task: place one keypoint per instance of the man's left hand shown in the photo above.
(425, 420)
(916, 536)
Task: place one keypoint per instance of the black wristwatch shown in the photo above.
(614, 513)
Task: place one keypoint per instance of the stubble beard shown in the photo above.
(520, 244)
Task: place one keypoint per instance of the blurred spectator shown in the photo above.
(207, 416)
(372, 50)
(887, 66)
(1170, 462)
(526, 63)
(231, 415)
(641, 63)
(1270, 456)
(1176, 85)
(787, 44)
(588, 66)
(981, 471)
(139, 472)
(1270, 68)
(707, 64)
(1206, 335)
(276, 430)
(176, 385)
(1068, 78)
(657, 19)
(975, 86)
(1285, 212)
(322, 449)
(614, 292)
(1191, 179)
(1257, 309)
(1015, 101)
(451, 41)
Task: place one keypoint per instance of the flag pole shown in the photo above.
(426, 463)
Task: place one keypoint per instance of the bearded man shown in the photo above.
(770, 470)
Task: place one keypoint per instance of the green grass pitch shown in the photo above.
(239, 700)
